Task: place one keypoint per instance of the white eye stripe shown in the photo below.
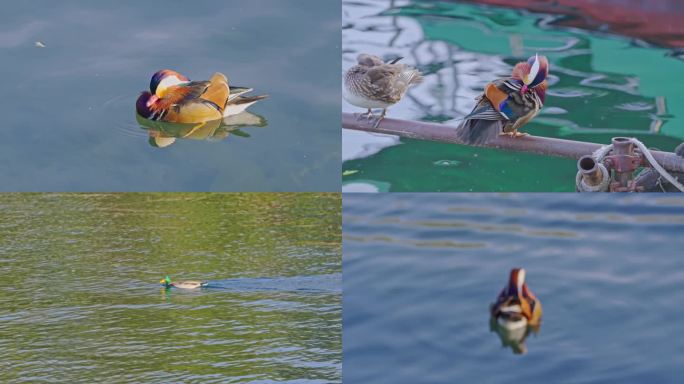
(169, 82)
(535, 68)
(521, 280)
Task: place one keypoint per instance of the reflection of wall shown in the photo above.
(656, 21)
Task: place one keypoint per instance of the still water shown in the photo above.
(80, 299)
(69, 121)
(602, 84)
(421, 270)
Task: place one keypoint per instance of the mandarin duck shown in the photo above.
(516, 306)
(373, 83)
(166, 282)
(507, 104)
(174, 98)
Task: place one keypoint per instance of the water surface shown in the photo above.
(69, 108)
(80, 298)
(421, 270)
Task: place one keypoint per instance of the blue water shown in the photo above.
(420, 271)
(69, 108)
(329, 283)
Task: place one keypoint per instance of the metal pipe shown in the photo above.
(591, 176)
(531, 144)
(590, 171)
(622, 161)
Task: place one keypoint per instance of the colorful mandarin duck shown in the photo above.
(373, 83)
(174, 98)
(517, 306)
(507, 104)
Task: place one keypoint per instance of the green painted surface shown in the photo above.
(602, 86)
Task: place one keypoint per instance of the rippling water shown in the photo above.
(68, 113)
(421, 270)
(601, 85)
(80, 299)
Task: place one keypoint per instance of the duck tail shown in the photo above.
(478, 132)
(247, 99)
(411, 76)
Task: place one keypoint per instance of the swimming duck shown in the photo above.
(517, 307)
(373, 83)
(183, 284)
(174, 98)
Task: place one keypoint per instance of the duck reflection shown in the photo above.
(516, 313)
(513, 338)
(163, 134)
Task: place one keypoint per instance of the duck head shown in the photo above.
(531, 72)
(162, 80)
(516, 282)
(166, 282)
(144, 104)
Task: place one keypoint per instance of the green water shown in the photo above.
(601, 86)
(80, 299)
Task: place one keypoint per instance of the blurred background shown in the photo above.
(420, 271)
(614, 70)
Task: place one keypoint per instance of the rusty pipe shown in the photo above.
(420, 130)
(591, 176)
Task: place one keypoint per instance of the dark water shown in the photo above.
(601, 85)
(80, 299)
(69, 108)
(421, 270)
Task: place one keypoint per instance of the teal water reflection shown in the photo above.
(601, 85)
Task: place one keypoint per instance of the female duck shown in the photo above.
(174, 98)
(517, 306)
(182, 284)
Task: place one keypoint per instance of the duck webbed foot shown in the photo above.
(513, 134)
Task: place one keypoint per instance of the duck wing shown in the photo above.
(189, 284)
(240, 104)
(217, 91)
(192, 111)
(237, 91)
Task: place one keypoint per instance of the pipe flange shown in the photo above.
(603, 186)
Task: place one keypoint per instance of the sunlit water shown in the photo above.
(421, 270)
(80, 299)
(69, 107)
(602, 85)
